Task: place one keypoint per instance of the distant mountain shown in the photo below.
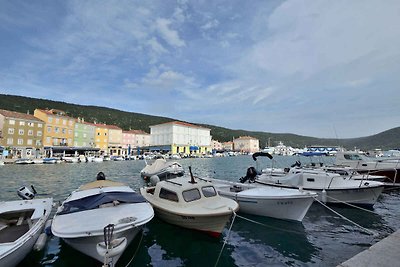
(129, 120)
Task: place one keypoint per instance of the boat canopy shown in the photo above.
(94, 201)
(261, 154)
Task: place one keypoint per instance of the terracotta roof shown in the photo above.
(55, 112)
(107, 126)
(246, 138)
(183, 124)
(18, 115)
(135, 132)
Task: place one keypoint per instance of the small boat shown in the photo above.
(49, 161)
(280, 203)
(21, 224)
(163, 169)
(37, 161)
(97, 159)
(1, 163)
(330, 187)
(190, 203)
(23, 161)
(101, 218)
(117, 158)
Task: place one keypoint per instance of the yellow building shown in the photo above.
(108, 138)
(59, 130)
(101, 137)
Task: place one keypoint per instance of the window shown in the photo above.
(21, 131)
(39, 133)
(84, 135)
(57, 120)
(76, 134)
(22, 123)
(30, 124)
(208, 191)
(9, 141)
(57, 129)
(20, 141)
(69, 131)
(64, 130)
(49, 129)
(71, 122)
(191, 195)
(11, 122)
(64, 122)
(50, 119)
(29, 142)
(48, 140)
(10, 130)
(30, 132)
(69, 141)
(40, 125)
(169, 195)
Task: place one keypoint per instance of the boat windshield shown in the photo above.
(208, 191)
(191, 195)
(93, 202)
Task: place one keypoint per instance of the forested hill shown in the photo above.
(129, 120)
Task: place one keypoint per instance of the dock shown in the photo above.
(385, 253)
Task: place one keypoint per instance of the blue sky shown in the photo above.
(315, 68)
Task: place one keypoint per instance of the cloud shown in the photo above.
(169, 35)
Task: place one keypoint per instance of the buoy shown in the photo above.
(154, 179)
(40, 242)
(323, 196)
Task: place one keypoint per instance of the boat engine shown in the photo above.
(250, 175)
(25, 193)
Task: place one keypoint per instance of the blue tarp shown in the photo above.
(192, 148)
(93, 202)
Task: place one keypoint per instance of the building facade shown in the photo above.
(180, 137)
(84, 133)
(59, 129)
(115, 140)
(101, 138)
(134, 140)
(216, 145)
(246, 144)
(21, 133)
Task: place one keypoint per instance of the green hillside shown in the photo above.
(129, 120)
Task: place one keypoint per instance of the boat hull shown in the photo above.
(212, 225)
(87, 245)
(362, 196)
(289, 208)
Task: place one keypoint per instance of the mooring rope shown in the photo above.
(351, 205)
(226, 239)
(137, 249)
(347, 219)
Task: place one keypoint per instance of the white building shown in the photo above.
(180, 137)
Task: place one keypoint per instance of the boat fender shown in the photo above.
(47, 228)
(366, 184)
(117, 247)
(40, 242)
(323, 196)
(154, 179)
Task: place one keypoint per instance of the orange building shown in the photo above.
(59, 130)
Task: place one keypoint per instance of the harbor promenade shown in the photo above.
(385, 253)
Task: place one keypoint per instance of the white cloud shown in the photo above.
(169, 35)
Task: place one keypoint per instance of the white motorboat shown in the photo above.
(280, 203)
(98, 210)
(97, 159)
(163, 169)
(351, 173)
(377, 166)
(71, 159)
(330, 187)
(21, 224)
(191, 203)
(49, 161)
(23, 161)
(1, 163)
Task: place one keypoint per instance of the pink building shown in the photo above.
(135, 138)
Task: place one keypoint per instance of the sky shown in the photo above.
(328, 69)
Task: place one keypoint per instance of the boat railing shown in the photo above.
(172, 182)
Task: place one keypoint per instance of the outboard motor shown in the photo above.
(100, 176)
(25, 193)
(250, 175)
(296, 164)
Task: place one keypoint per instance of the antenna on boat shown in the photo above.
(192, 181)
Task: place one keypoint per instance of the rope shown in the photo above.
(137, 249)
(351, 205)
(343, 217)
(226, 239)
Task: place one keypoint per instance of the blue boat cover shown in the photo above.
(93, 202)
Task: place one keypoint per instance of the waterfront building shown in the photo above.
(134, 140)
(21, 134)
(227, 146)
(59, 129)
(108, 138)
(216, 145)
(180, 137)
(246, 144)
(84, 133)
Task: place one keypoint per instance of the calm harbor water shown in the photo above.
(322, 239)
